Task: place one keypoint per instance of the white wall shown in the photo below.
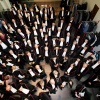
(4, 4)
(91, 4)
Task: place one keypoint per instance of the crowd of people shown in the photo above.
(33, 36)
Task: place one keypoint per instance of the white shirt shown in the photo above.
(9, 64)
(17, 68)
(61, 25)
(28, 35)
(14, 12)
(54, 42)
(36, 26)
(25, 43)
(62, 13)
(64, 83)
(32, 14)
(67, 39)
(1, 72)
(56, 52)
(5, 27)
(30, 58)
(15, 24)
(31, 72)
(35, 32)
(73, 47)
(54, 61)
(77, 40)
(17, 46)
(95, 79)
(46, 53)
(42, 35)
(83, 45)
(49, 32)
(29, 18)
(12, 29)
(38, 21)
(9, 41)
(68, 28)
(42, 87)
(95, 65)
(22, 34)
(39, 70)
(83, 51)
(46, 39)
(53, 86)
(56, 76)
(13, 90)
(0, 61)
(46, 23)
(69, 69)
(26, 91)
(52, 28)
(82, 69)
(14, 55)
(22, 23)
(44, 29)
(64, 54)
(36, 8)
(36, 41)
(68, 13)
(58, 34)
(4, 46)
(51, 16)
(76, 63)
(61, 43)
(37, 51)
(87, 61)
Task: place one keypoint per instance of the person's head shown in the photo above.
(37, 67)
(57, 47)
(6, 77)
(33, 28)
(35, 22)
(41, 30)
(25, 5)
(55, 72)
(65, 49)
(27, 31)
(42, 83)
(31, 9)
(13, 20)
(59, 29)
(28, 53)
(62, 39)
(13, 67)
(78, 59)
(43, 24)
(36, 45)
(75, 42)
(18, 30)
(62, 8)
(37, 16)
(8, 87)
(1, 34)
(52, 81)
(86, 40)
(45, 6)
(68, 33)
(54, 58)
(85, 65)
(3, 22)
(78, 37)
(46, 48)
